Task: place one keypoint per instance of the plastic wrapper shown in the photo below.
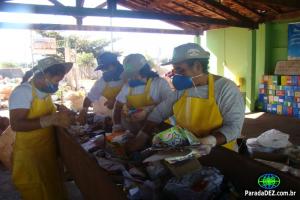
(274, 139)
(173, 137)
(201, 184)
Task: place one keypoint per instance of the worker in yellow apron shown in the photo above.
(144, 90)
(108, 86)
(36, 172)
(215, 120)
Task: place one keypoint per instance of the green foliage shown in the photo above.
(86, 63)
(8, 65)
(86, 60)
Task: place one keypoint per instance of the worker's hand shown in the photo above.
(137, 143)
(208, 143)
(110, 104)
(138, 116)
(63, 119)
(62, 108)
(82, 116)
(209, 140)
(117, 128)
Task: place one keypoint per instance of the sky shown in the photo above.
(15, 45)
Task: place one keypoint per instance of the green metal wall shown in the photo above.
(248, 54)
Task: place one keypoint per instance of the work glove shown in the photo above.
(208, 143)
(61, 119)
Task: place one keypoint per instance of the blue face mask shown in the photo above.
(113, 75)
(135, 83)
(181, 82)
(50, 88)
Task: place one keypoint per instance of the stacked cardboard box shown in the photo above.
(280, 95)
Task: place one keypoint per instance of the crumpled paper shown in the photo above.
(274, 139)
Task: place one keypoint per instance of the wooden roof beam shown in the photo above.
(205, 8)
(111, 5)
(75, 11)
(285, 3)
(93, 28)
(228, 11)
(259, 15)
(135, 6)
(79, 19)
(102, 5)
(56, 3)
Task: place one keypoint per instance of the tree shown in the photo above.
(86, 63)
(8, 65)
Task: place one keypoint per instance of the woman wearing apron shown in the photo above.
(207, 105)
(108, 86)
(144, 90)
(36, 172)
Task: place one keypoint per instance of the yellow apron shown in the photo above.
(136, 101)
(198, 115)
(140, 100)
(36, 172)
(110, 93)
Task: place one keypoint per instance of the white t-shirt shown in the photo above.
(98, 88)
(21, 97)
(159, 91)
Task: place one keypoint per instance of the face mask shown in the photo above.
(135, 83)
(182, 82)
(50, 88)
(112, 75)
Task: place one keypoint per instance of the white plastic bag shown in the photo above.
(274, 139)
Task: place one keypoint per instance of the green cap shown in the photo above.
(133, 63)
(47, 62)
(186, 52)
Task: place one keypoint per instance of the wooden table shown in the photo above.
(95, 183)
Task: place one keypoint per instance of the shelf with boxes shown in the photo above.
(280, 95)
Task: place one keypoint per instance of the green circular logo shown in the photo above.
(268, 181)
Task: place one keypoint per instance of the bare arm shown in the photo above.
(19, 121)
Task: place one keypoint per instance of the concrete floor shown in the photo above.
(8, 191)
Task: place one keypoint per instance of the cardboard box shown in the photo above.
(288, 67)
(281, 99)
(265, 79)
(290, 111)
(280, 92)
(289, 92)
(274, 108)
(297, 94)
(271, 92)
(262, 91)
(269, 107)
(184, 167)
(262, 86)
(271, 87)
(279, 109)
(276, 99)
(271, 99)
